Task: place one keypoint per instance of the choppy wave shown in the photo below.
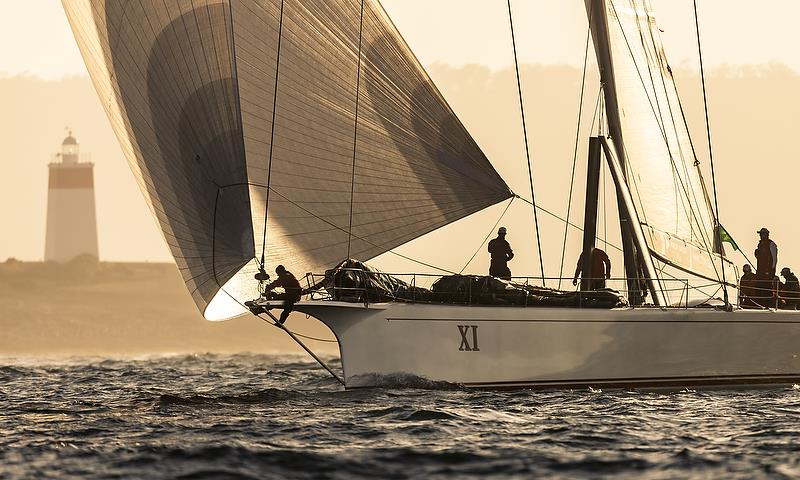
(252, 416)
(399, 380)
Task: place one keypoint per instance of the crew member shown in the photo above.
(501, 254)
(600, 269)
(766, 256)
(292, 291)
(748, 288)
(766, 262)
(789, 291)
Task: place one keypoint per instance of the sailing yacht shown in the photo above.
(304, 132)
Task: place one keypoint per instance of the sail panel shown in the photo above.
(192, 88)
(662, 169)
(164, 73)
(414, 167)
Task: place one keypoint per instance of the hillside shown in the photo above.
(90, 308)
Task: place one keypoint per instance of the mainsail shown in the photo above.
(649, 131)
(191, 89)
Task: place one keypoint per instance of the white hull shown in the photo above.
(562, 347)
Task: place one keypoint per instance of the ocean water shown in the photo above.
(256, 416)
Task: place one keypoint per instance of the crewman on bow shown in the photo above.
(291, 288)
(501, 253)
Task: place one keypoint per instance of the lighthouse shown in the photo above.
(71, 220)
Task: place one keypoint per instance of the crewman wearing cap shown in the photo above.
(790, 290)
(501, 254)
(748, 288)
(766, 256)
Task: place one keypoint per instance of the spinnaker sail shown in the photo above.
(191, 88)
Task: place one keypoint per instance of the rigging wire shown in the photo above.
(279, 325)
(605, 211)
(527, 148)
(561, 219)
(718, 226)
(662, 64)
(355, 130)
(690, 210)
(597, 116)
(691, 213)
(487, 236)
(272, 135)
(287, 199)
(575, 150)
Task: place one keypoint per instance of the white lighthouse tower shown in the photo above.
(71, 220)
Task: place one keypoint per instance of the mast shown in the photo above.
(598, 22)
(590, 210)
(628, 212)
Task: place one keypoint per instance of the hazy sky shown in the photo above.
(35, 40)
(35, 37)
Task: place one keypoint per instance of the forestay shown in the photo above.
(190, 90)
(649, 131)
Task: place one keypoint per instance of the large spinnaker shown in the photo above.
(165, 75)
(649, 131)
(190, 89)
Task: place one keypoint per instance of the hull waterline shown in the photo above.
(518, 347)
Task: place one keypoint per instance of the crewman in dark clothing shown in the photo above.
(600, 269)
(789, 292)
(292, 291)
(747, 289)
(766, 256)
(501, 254)
(766, 262)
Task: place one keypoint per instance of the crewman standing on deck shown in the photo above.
(766, 262)
(600, 269)
(501, 254)
(766, 256)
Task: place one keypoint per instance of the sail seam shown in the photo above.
(272, 135)
(692, 201)
(692, 215)
(660, 59)
(355, 130)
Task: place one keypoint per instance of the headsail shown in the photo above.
(648, 127)
(189, 88)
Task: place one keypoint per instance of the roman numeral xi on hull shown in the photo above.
(465, 338)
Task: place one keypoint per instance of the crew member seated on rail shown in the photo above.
(747, 288)
(292, 291)
(501, 254)
(600, 269)
(789, 292)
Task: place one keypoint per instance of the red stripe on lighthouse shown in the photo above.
(74, 177)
